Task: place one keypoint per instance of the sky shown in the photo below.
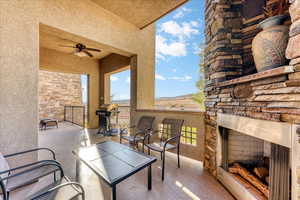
(178, 37)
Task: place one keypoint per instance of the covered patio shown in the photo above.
(191, 181)
(245, 145)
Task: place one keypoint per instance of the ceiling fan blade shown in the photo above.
(68, 40)
(88, 53)
(92, 49)
(67, 46)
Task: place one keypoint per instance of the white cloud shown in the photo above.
(124, 96)
(181, 78)
(181, 12)
(128, 79)
(163, 47)
(160, 77)
(174, 70)
(181, 31)
(198, 48)
(120, 96)
(195, 23)
(114, 78)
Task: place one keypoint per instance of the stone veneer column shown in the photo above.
(223, 61)
(293, 53)
(293, 49)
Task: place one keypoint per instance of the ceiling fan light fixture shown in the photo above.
(80, 54)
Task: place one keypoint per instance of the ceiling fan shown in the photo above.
(81, 50)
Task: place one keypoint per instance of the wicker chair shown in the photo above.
(139, 131)
(170, 134)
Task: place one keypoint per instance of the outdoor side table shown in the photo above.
(114, 162)
(44, 123)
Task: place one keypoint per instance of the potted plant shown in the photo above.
(268, 46)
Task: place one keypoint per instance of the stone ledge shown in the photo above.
(265, 74)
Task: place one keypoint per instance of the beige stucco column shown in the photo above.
(104, 88)
(144, 67)
(19, 64)
(133, 89)
(142, 86)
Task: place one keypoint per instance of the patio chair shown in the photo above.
(15, 178)
(139, 131)
(170, 134)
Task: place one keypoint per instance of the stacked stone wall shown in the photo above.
(223, 61)
(293, 50)
(57, 90)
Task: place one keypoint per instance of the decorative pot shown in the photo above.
(268, 46)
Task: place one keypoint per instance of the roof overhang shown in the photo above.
(140, 12)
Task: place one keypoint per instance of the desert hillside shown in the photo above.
(184, 102)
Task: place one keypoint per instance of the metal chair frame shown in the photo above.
(168, 140)
(28, 168)
(78, 187)
(139, 132)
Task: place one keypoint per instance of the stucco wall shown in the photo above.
(18, 80)
(19, 50)
(57, 90)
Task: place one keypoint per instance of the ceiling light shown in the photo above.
(80, 54)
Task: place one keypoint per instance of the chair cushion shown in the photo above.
(3, 167)
(31, 176)
(65, 192)
(160, 146)
(130, 138)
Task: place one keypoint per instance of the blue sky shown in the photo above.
(178, 37)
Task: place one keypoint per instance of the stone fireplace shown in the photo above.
(259, 113)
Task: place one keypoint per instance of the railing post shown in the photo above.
(64, 113)
(83, 116)
(72, 114)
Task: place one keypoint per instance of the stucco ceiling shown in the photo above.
(140, 12)
(55, 43)
(54, 39)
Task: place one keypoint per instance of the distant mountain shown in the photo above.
(121, 101)
(183, 102)
(186, 96)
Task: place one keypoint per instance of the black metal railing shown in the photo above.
(75, 115)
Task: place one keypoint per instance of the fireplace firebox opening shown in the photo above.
(260, 166)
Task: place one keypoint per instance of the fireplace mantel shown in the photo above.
(275, 132)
